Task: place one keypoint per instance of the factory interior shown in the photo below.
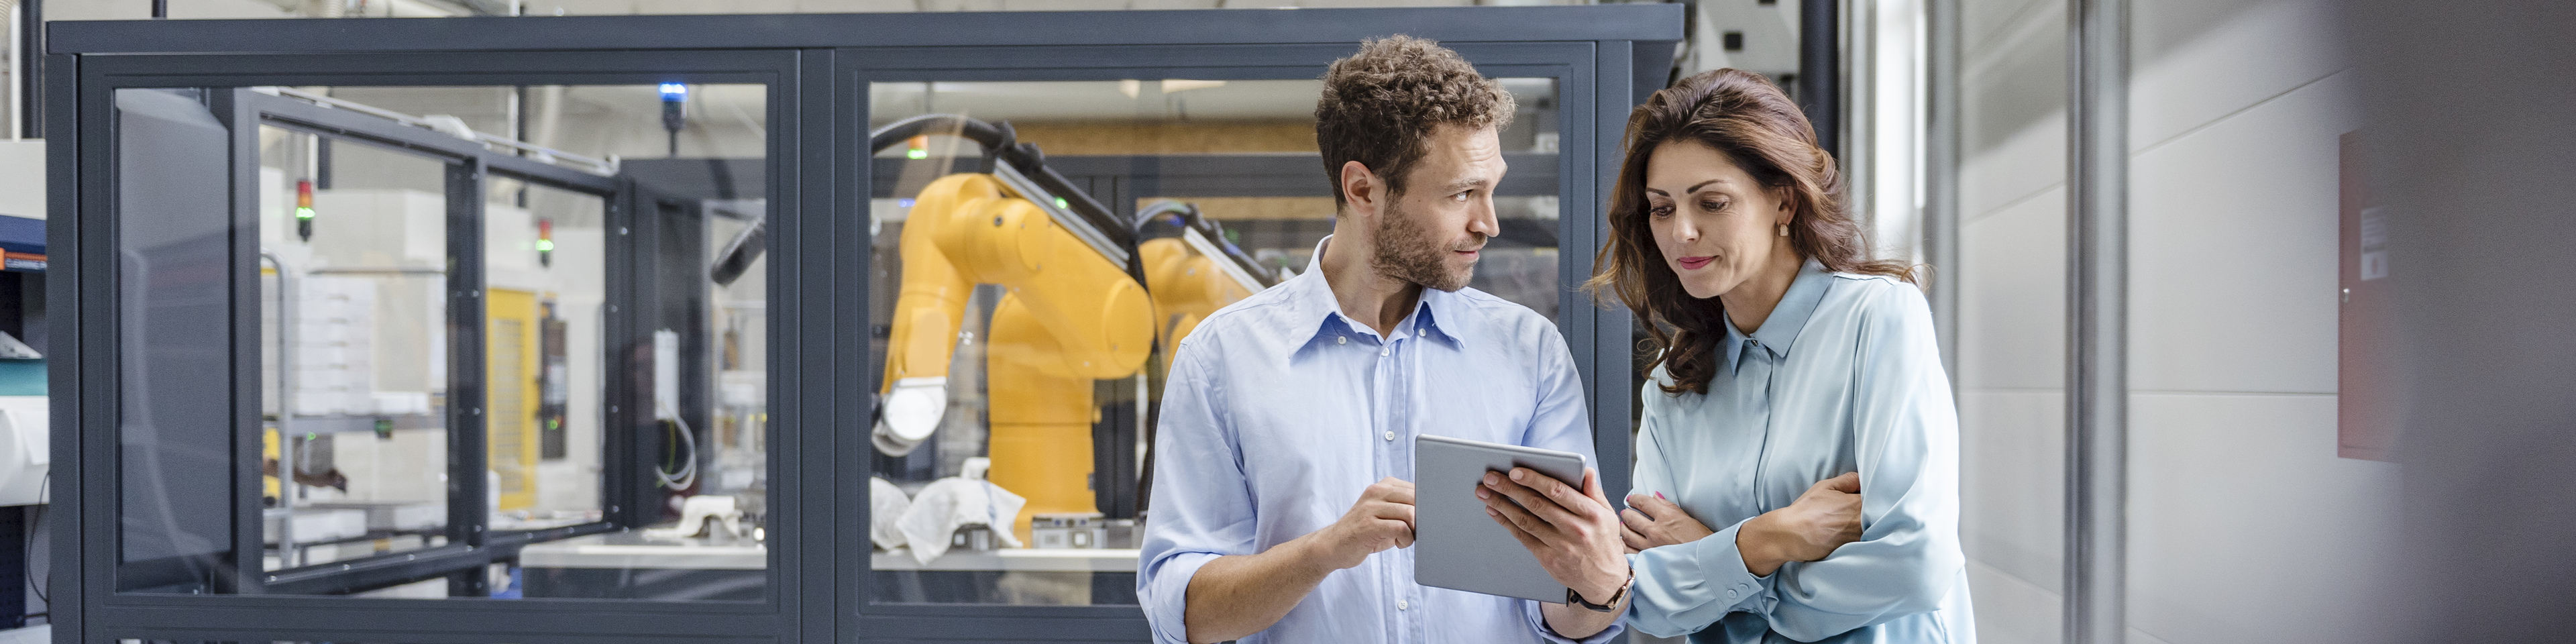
(483, 321)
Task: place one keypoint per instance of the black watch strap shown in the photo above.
(1610, 605)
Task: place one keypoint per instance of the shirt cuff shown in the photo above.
(1165, 592)
(1721, 564)
(1537, 617)
(1693, 577)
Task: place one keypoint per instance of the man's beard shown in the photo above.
(1406, 251)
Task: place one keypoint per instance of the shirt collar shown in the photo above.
(1787, 318)
(1313, 297)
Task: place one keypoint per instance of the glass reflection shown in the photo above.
(437, 342)
(1015, 413)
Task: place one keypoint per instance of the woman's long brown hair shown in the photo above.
(1744, 116)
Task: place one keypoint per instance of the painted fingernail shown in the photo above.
(1659, 495)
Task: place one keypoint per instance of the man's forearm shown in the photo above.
(1238, 595)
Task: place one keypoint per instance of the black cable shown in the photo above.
(31, 112)
(27, 556)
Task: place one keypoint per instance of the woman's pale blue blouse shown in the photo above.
(1844, 376)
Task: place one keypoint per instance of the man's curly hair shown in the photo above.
(1380, 106)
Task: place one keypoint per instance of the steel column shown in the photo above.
(2097, 394)
(1820, 70)
(1941, 164)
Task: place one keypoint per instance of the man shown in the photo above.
(1283, 502)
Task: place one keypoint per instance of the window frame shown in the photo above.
(818, 67)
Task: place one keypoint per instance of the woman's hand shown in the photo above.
(1652, 521)
(1824, 518)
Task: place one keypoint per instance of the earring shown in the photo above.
(1784, 230)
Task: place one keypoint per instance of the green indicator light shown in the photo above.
(916, 153)
(1061, 203)
(545, 245)
(303, 213)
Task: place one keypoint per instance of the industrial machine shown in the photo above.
(1089, 297)
(466, 346)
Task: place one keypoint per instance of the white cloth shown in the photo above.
(886, 505)
(957, 502)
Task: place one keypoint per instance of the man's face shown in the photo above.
(1433, 232)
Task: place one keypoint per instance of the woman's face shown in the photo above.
(1715, 227)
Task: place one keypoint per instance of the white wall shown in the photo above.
(22, 178)
(2012, 315)
(2244, 525)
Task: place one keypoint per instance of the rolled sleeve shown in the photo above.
(1684, 587)
(1202, 506)
(1164, 589)
(1537, 618)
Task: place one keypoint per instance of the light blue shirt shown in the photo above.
(1278, 413)
(1843, 376)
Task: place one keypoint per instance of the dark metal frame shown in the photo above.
(1820, 70)
(468, 166)
(817, 66)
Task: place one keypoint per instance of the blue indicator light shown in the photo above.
(674, 91)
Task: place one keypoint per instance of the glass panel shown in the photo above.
(609, 370)
(545, 272)
(1219, 186)
(171, 267)
(354, 349)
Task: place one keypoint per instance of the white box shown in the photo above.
(318, 524)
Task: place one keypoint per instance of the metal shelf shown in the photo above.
(369, 423)
(1013, 560)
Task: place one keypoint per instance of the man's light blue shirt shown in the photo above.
(1278, 413)
(1843, 376)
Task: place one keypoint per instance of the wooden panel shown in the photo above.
(2365, 420)
(1203, 137)
(1239, 208)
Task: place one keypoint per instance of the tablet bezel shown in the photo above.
(1456, 545)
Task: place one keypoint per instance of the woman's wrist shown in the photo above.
(1757, 543)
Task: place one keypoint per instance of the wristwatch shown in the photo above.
(1612, 605)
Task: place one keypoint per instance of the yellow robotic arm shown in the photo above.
(1073, 313)
(1188, 285)
(1070, 317)
(964, 230)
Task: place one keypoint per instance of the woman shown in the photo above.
(1788, 356)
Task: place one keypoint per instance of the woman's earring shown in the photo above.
(1784, 230)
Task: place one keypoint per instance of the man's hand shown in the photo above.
(1382, 518)
(1824, 518)
(1574, 533)
(1237, 595)
(1652, 521)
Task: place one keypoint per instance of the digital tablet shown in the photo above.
(1455, 545)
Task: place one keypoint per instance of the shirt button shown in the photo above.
(1390, 434)
(1403, 605)
(1730, 593)
(1381, 353)
(1341, 339)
